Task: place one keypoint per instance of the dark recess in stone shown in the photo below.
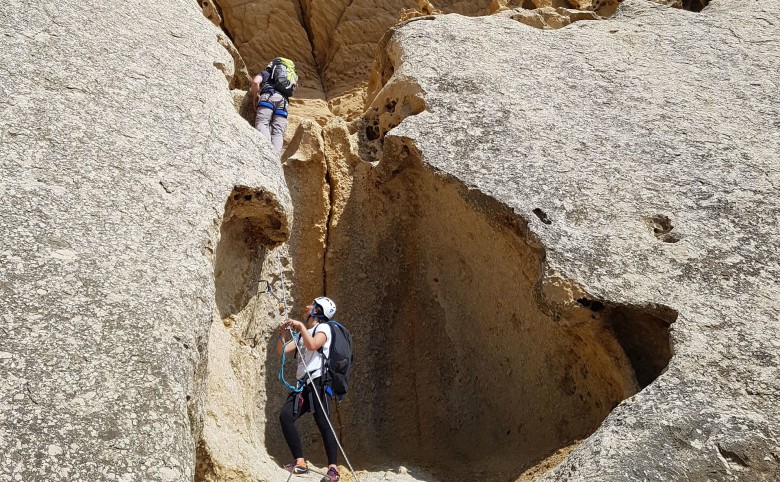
(644, 337)
(732, 456)
(662, 228)
(592, 305)
(372, 133)
(694, 5)
(542, 216)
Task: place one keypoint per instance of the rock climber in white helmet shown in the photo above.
(313, 334)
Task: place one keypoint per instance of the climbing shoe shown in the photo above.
(331, 476)
(296, 469)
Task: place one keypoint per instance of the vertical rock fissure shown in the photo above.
(331, 199)
(213, 11)
(222, 25)
(306, 15)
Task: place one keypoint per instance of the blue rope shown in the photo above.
(298, 388)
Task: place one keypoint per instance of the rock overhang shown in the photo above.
(644, 162)
(562, 137)
(546, 152)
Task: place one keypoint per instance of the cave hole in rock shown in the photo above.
(251, 226)
(462, 363)
(662, 228)
(593, 305)
(694, 5)
(644, 336)
(542, 216)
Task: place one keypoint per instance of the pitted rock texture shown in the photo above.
(332, 42)
(119, 148)
(637, 157)
(619, 191)
(551, 18)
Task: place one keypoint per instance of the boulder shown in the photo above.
(577, 240)
(121, 157)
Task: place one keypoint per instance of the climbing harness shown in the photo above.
(311, 379)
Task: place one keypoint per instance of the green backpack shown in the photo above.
(283, 77)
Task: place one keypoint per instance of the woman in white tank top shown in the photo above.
(313, 335)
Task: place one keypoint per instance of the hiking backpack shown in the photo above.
(283, 77)
(339, 363)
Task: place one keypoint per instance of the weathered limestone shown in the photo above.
(332, 42)
(306, 174)
(211, 12)
(385, 230)
(119, 148)
(512, 270)
(622, 181)
(605, 7)
(551, 18)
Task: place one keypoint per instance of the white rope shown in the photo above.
(308, 373)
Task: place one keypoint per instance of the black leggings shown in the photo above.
(288, 416)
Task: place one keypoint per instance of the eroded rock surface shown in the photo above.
(332, 42)
(518, 250)
(119, 148)
(619, 182)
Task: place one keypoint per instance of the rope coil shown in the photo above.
(298, 388)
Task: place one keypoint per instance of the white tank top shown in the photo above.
(312, 360)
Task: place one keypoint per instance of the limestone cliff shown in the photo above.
(440, 253)
(120, 157)
(334, 41)
(545, 255)
(568, 251)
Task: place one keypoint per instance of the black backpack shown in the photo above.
(282, 76)
(339, 363)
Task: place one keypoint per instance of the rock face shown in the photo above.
(332, 42)
(568, 251)
(120, 153)
(596, 202)
(552, 18)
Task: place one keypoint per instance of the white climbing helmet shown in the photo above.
(328, 306)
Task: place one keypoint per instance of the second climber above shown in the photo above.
(271, 90)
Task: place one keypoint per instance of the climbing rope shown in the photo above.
(298, 388)
(311, 380)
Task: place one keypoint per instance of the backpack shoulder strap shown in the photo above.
(320, 349)
(330, 325)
